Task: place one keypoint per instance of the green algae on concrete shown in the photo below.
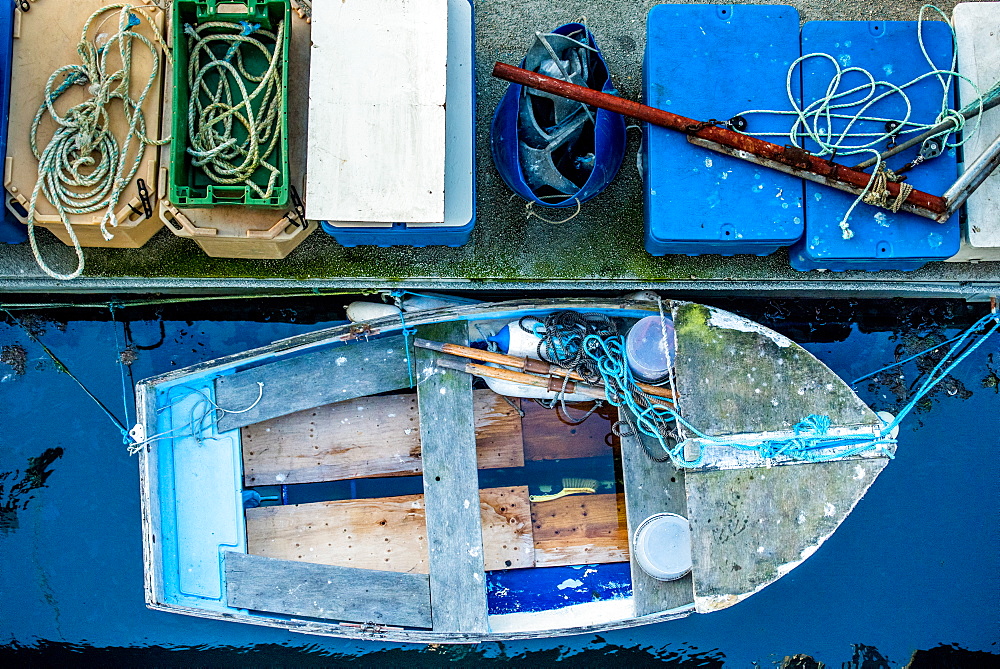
(601, 248)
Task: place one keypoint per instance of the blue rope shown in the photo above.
(906, 360)
(812, 441)
(407, 333)
(948, 362)
(127, 439)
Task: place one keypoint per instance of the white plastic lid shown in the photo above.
(662, 546)
(647, 357)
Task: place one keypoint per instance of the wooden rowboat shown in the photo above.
(308, 485)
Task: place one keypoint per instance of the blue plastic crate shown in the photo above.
(714, 61)
(11, 230)
(882, 240)
(460, 152)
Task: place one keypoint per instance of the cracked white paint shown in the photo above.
(728, 321)
(570, 583)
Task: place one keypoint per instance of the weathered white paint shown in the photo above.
(377, 111)
(728, 321)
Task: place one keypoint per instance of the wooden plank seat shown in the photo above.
(323, 591)
(652, 487)
(331, 375)
(451, 484)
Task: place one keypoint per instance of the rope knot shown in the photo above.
(249, 28)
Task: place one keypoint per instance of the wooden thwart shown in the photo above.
(451, 489)
(580, 529)
(367, 437)
(322, 591)
(387, 533)
(652, 487)
(311, 380)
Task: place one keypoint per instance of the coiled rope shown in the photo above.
(811, 440)
(84, 168)
(815, 121)
(216, 110)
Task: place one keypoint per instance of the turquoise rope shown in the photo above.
(812, 441)
(408, 332)
(948, 362)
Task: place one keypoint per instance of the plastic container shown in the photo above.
(644, 349)
(190, 186)
(35, 56)
(460, 159)
(238, 231)
(609, 135)
(662, 546)
(882, 239)
(11, 232)
(713, 62)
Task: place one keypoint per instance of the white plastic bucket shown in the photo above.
(662, 546)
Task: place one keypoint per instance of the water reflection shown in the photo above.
(914, 566)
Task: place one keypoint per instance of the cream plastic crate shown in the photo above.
(241, 232)
(45, 39)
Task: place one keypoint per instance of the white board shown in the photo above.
(977, 27)
(377, 111)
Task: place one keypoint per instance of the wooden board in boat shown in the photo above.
(387, 533)
(456, 535)
(331, 375)
(548, 437)
(580, 529)
(652, 487)
(751, 526)
(367, 437)
(324, 591)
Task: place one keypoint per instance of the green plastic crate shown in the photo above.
(189, 185)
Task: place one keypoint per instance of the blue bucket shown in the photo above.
(11, 230)
(608, 129)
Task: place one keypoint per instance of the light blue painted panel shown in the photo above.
(882, 240)
(713, 62)
(200, 483)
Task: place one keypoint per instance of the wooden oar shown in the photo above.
(550, 383)
(526, 364)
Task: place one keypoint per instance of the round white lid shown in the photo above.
(662, 546)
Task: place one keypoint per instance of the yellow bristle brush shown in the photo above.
(570, 487)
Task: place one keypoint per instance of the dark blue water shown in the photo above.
(914, 569)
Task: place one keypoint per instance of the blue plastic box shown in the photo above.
(11, 230)
(713, 62)
(460, 153)
(882, 240)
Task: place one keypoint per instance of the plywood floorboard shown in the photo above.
(580, 529)
(387, 533)
(367, 437)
